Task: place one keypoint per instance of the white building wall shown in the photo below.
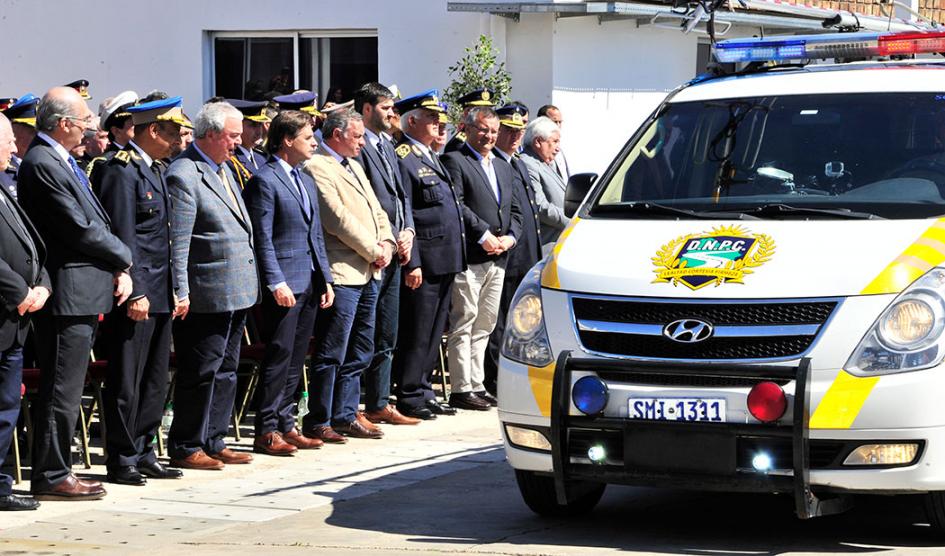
(145, 46)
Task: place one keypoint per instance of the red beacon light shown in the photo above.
(767, 402)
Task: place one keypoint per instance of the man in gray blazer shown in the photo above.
(215, 273)
(542, 137)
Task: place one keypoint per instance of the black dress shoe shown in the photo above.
(417, 412)
(468, 400)
(438, 408)
(14, 503)
(487, 397)
(126, 475)
(155, 470)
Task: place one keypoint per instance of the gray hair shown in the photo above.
(472, 116)
(540, 128)
(212, 117)
(51, 110)
(339, 119)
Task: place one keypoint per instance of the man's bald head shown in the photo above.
(64, 116)
(7, 142)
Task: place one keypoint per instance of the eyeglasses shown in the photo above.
(85, 123)
(485, 130)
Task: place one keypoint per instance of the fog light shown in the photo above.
(761, 462)
(767, 402)
(596, 453)
(882, 454)
(527, 438)
(589, 395)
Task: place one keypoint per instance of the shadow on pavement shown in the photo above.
(481, 506)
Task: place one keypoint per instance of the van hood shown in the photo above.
(734, 260)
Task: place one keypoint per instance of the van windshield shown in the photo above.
(808, 156)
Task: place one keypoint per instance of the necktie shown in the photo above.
(385, 161)
(306, 202)
(79, 174)
(229, 190)
(383, 148)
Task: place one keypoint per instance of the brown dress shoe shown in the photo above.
(391, 416)
(272, 444)
(360, 418)
(356, 430)
(227, 455)
(325, 434)
(198, 460)
(295, 438)
(72, 489)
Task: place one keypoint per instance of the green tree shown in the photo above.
(478, 68)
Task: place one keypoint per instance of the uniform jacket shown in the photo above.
(353, 219)
(387, 191)
(212, 250)
(440, 245)
(83, 254)
(253, 163)
(482, 212)
(289, 240)
(21, 267)
(527, 250)
(548, 188)
(135, 197)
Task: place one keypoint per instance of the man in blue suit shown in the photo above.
(283, 207)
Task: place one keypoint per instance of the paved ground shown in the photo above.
(439, 488)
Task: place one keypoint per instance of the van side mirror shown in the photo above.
(578, 187)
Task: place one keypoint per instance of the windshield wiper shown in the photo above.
(657, 209)
(780, 209)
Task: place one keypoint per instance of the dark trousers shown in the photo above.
(208, 351)
(288, 331)
(135, 386)
(423, 314)
(344, 344)
(491, 363)
(377, 377)
(11, 378)
(64, 346)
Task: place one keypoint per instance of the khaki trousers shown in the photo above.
(477, 292)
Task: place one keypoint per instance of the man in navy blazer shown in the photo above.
(293, 264)
(375, 102)
(88, 266)
(24, 289)
(493, 219)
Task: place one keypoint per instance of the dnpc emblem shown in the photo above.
(725, 254)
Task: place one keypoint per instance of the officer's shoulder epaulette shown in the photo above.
(122, 156)
(461, 136)
(403, 150)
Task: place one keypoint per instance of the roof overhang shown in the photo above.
(760, 13)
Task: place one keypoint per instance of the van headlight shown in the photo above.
(908, 335)
(526, 340)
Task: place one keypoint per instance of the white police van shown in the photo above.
(752, 296)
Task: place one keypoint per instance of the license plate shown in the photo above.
(678, 409)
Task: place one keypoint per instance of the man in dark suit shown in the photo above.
(132, 190)
(527, 250)
(493, 220)
(290, 248)
(215, 274)
(88, 267)
(24, 289)
(439, 252)
(375, 102)
(476, 97)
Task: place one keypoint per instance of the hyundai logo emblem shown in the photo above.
(687, 331)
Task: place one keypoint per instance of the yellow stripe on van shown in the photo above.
(843, 401)
(541, 380)
(549, 274)
(925, 252)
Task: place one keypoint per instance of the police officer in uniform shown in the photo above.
(116, 120)
(439, 252)
(82, 87)
(247, 159)
(132, 190)
(478, 97)
(527, 250)
(22, 116)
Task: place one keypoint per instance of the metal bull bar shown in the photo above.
(807, 504)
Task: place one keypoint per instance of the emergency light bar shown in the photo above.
(833, 45)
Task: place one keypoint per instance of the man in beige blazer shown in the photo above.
(360, 245)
